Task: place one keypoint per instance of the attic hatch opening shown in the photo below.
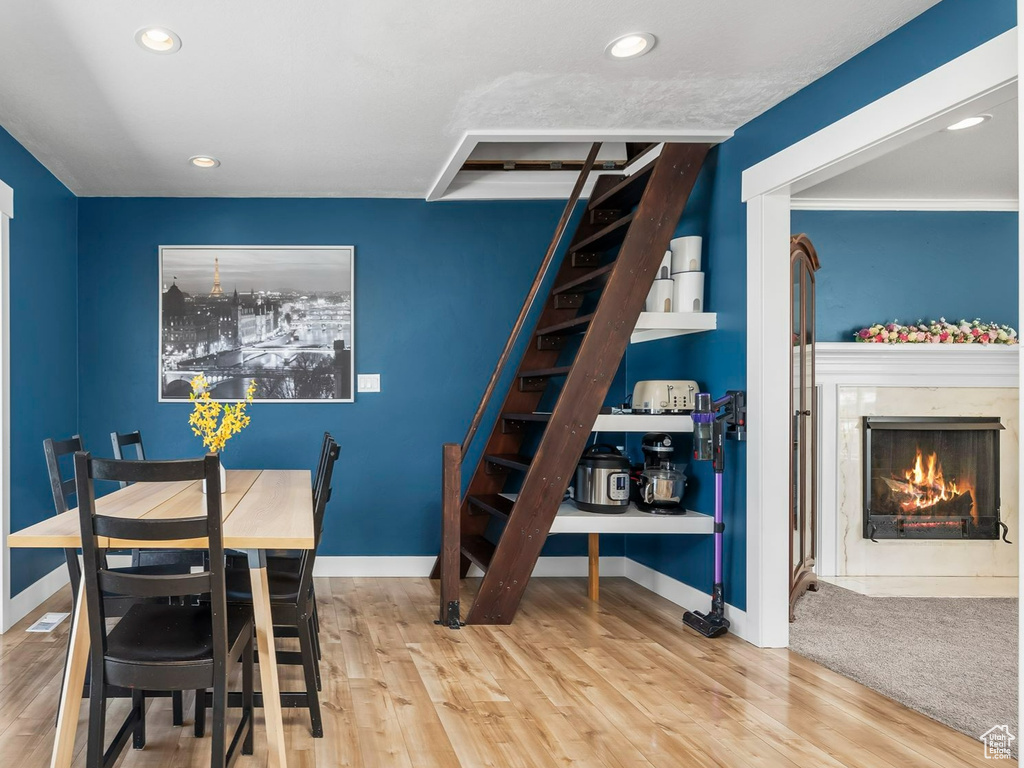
(552, 156)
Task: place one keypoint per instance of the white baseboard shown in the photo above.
(26, 601)
(384, 566)
(684, 595)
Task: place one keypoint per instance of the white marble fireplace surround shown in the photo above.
(857, 380)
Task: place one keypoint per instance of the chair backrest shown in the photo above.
(122, 440)
(97, 528)
(324, 449)
(321, 495)
(62, 489)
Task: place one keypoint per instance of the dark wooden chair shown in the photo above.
(122, 440)
(290, 560)
(183, 558)
(63, 489)
(292, 601)
(161, 646)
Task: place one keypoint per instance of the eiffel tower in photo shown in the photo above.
(216, 290)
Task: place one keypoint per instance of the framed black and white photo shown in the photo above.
(277, 316)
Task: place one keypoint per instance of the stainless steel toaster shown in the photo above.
(664, 396)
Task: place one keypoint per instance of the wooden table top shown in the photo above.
(263, 509)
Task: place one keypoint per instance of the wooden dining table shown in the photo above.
(262, 509)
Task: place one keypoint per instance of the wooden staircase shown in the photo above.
(612, 257)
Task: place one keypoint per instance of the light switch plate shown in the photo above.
(368, 382)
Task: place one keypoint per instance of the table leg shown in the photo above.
(74, 679)
(593, 574)
(269, 683)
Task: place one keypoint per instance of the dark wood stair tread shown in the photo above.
(576, 325)
(606, 237)
(540, 373)
(588, 282)
(493, 504)
(510, 460)
(627, 192)
(526, 416)
(478, 551)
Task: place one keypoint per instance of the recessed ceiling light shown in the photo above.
(204, 161)
(968, 122)
(630, 46)
(158, 39)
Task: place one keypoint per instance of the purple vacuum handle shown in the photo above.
(718, 522)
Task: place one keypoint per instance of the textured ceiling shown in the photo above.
(327, 98)
(976, 164)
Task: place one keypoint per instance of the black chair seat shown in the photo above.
(166, 569)
(152, 632)
(284, 586)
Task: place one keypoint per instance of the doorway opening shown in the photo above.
(972, 84)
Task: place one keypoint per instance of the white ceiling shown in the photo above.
(972, 168)
(328, 98)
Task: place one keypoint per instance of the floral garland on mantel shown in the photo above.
(938, 332)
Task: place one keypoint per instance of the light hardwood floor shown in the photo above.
(570, 683)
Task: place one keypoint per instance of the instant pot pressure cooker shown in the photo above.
(602, 480)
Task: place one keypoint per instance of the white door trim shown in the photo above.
(970, 83)
(975, 81)
(6, 214)
(6, 201)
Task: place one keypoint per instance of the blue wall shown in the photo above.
(438, 286)
(880, 266)
(44, 341)
(718, 360)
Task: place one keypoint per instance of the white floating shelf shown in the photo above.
(643, 422)
(572, 520)
(663, 325)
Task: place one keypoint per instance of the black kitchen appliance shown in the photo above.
(659, 484)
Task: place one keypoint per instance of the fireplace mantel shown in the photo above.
(917, 365)
(854, 364)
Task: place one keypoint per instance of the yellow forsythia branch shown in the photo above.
(213, 422)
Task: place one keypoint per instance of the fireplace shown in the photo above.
(931, 478)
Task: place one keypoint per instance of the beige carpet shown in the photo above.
(953, 659)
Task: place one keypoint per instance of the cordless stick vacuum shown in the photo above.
(709, 431)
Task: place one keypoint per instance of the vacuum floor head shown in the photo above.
(708, 624)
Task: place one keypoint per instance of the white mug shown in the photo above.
(688, 292)
(659, 299)
(685, 254)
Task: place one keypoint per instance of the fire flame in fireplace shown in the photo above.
(926, 485)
